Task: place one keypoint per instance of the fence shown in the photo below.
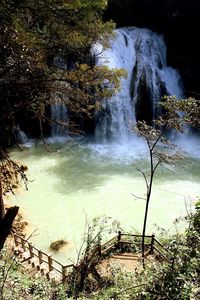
(133, 240)
(44, 261)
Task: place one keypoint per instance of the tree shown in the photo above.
(9, 176)
(45, 50)
(178, 278)
(177, 113)
(85, 271)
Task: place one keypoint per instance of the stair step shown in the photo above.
(125, 257)
(25, 260)
(44, 269)
(28, 258)
(54, 276)
(33, 271)
(24, 255)
(31, 263)
(17, 251)
(34, 262)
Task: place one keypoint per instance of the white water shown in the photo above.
(59, 116)
(142, 53)
(82, 179)
(118, 116)
(22, 137)
(151, 63)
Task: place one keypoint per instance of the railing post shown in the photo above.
(152, 243)
(99, 250)
(16, 240)
(30, 249)
(40, 257)
(119, 240)
(50, 261)
(23, 244)
(63, 274)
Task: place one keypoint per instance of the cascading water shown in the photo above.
(59, 111)
(59, 116)
(21, 135)
(151, 77)
(142, 53)
(118, 112)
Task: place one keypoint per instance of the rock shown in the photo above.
(23, 168)
(57, 245)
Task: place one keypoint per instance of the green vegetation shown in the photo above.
(46, 56)
(176, 278)
(16, 285)
(177, 114)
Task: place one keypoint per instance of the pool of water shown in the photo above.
(79, 180)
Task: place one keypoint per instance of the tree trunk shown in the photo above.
(96, 276)
(144, 228)
(149, 189)
(83, 272)
(2, 209)
(6, 224)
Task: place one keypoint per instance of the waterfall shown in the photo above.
(142, 53)
(20, 135)
(59, 116)
(118, 112)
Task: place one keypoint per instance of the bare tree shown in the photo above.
(177, 114)
(160, 152)
(89, 255)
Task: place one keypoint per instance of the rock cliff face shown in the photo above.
(178, 21)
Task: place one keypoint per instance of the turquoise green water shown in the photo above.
(76, 180)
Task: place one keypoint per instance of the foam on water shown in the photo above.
(188, 143)
(120, 152)
(142, 53)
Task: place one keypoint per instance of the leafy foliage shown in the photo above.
(179, 113)
(177, 278)
(44, 51)
(85, 276)
(15, 285)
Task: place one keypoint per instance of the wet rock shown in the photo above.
(57, 245)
